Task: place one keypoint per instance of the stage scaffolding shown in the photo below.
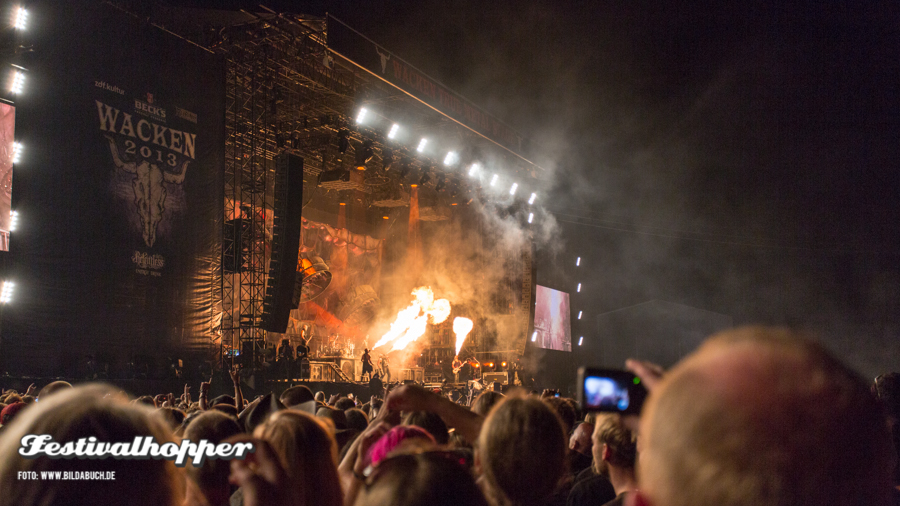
(286, 90)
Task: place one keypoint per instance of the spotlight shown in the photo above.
(531, 200)
(17, 152)
(422, 144)
(530, 217)
(20, 19)
(343, 140)
(579, 288)
(393, 132)
(502, 364)
(494, 179)
(577, 261)
(386, 217)
(534, 336)
(6, 292)
(18, 81)
(13, 220)
(490, 364)
(450, 159)
(473, 169)
(579, 315)
(580, 340)
(362, 115)
(513, 188)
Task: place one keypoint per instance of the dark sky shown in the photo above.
(738, 157)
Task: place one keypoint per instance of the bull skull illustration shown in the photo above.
(149, 189)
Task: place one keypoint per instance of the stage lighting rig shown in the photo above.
(580, 340)
(6, 292)
(422, 144)
(577, 261)
(513, 188)
(473, 169)
(17, 82)
(579, 288)
(17, 152)
(343, 140)
(494, 179)
(13, 220)
(534, 336)
(364, 154)
(362, 115)
(530, 217)
(387, 159)
(531, 199)
(393, 132)
(579, 314)
(20, 19)
(451, 158)
(426, 174)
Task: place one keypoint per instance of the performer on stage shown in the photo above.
(366, 365)
(385, 369)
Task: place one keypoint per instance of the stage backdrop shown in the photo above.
(122, 194)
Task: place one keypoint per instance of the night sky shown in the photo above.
(735, 157)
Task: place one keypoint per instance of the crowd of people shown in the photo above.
(755, 416)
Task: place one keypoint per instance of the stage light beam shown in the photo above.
(513, 188)
(422, 144)
(531, 199)
(18, 82)
(393, 132)
(21, 18)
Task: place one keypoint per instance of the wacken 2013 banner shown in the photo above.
(123, 189)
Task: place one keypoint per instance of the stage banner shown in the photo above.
(381, 62)
(122, 189)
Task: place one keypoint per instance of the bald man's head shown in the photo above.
(763, 416)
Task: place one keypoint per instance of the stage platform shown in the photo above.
(250, 386)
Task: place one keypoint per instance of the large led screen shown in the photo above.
(552, 325)
(7, 153)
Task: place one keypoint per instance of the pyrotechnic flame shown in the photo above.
(439, 311)
(412, 321)
(461, 327)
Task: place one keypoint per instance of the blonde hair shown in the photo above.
(308, 451)
(522, 450)
(81, 412)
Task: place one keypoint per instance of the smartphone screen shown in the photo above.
(610, 391)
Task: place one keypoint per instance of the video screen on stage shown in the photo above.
(7, 154)
(552, 325)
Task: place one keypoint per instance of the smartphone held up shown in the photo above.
(610, 390)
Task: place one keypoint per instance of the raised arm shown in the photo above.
(238, 396)
(416, 398)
